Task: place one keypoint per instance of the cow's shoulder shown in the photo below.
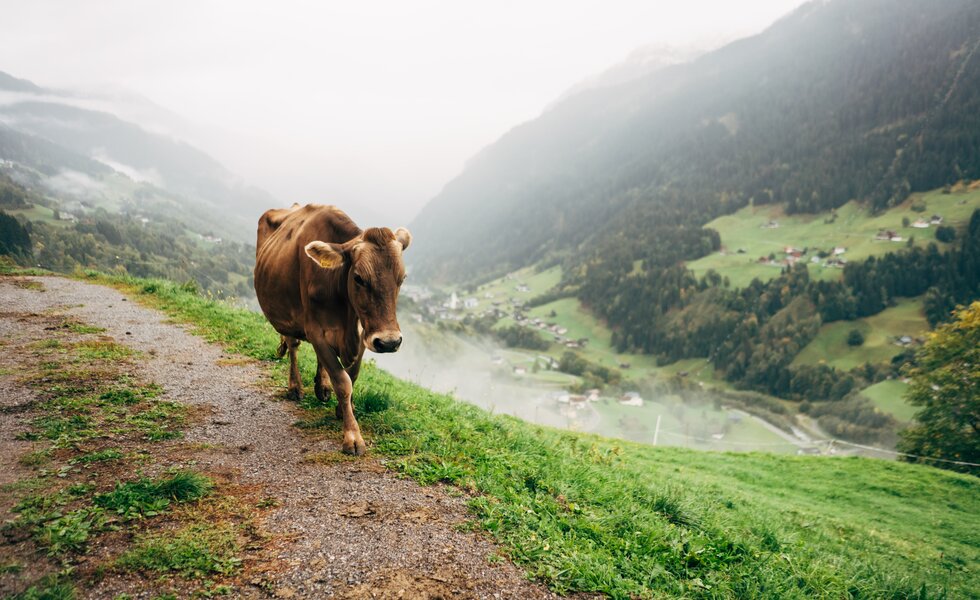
(327, 223)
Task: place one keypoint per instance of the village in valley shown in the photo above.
(552, 397)
(530, 341)
(833, 257)
(505, 302)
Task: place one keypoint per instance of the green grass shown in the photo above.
(147, 497)
(880, 330)
(889, 397)
(106, 455)
(49, 588)
(38, 213)
(101, 350)
(538, 282)
(853, 229)
(83, 400)
(195, 551)
(587, 513)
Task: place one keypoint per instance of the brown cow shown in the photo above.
(320, 279)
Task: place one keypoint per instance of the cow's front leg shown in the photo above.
(295, 390)
(343, 387)
(353, 442)
(352, 372)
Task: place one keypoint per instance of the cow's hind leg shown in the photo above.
(321, 385)
(295, 390)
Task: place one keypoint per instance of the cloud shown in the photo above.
(138, 175)
(75, 184)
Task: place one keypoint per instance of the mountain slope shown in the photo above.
(57, 128)
(839, 100)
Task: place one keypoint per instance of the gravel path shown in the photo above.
(352, 529)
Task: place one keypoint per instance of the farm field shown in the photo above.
(888, 397)
(854, 229)
(537, 282)
(37, 213)
(880, 332)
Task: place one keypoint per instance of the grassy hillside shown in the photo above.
(889, 397)
(854, 228)
(587, 513)
(879, 331)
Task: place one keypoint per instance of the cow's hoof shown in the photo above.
(322, 394)
(356, 448)
(293, 394)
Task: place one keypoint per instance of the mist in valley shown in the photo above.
(464, 367)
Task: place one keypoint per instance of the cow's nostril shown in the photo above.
(390, 345)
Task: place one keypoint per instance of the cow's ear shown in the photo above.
(328, 256)
(403, 237)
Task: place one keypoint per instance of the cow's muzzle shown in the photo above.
(385, 343)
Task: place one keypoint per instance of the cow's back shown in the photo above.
(281, 273)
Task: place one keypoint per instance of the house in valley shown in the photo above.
(631, 399)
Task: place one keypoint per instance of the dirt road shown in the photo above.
(351, 529)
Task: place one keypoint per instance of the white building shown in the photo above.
(631, 399)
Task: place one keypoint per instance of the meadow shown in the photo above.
(880, 332)
(586, 513)
(889, 397)
(853, 228)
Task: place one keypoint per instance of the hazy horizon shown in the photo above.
(372, 107)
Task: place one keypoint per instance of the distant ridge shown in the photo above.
(821, 108)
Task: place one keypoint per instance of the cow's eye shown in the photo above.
(359, 280)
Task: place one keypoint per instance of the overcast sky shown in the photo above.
(357, 103)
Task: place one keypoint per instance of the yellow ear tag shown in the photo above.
(329, 262)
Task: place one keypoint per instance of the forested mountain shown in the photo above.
(840, 100)
(81, 188)
(143, 240)
(51, 131)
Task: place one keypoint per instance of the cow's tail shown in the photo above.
(283, 347)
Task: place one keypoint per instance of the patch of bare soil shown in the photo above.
(343, 528)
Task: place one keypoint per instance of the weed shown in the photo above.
(160, 421)
(147, 497)
(71, 531)
(36, 458)
(99, 456)
(267, 502)
(101, 350)
(48, 588)
(82, 328)
(46, 344)
(64, 431)
(196, 551)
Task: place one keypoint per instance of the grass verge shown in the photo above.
(93, 427)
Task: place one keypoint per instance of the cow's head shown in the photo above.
(372, 263)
